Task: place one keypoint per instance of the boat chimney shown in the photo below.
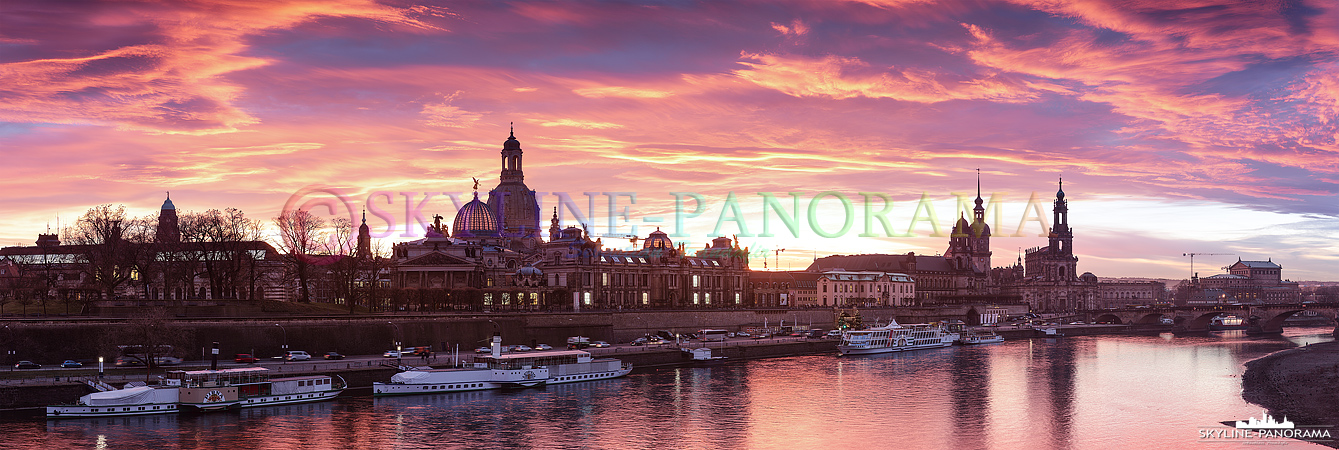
(214, 357)
(497, 344)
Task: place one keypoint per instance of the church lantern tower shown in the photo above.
(513, 202)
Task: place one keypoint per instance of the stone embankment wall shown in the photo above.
(50, 342)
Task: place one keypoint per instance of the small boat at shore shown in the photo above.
(202, 390)
(1225, 322)
(702, 356)
(979, 337)
(896, 338)
(505, 371)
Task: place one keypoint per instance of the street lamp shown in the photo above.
(399, 346)
(100, 371)
(284, 348)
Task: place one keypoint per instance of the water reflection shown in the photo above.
(1073, 392)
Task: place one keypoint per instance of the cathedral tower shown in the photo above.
(513, 202)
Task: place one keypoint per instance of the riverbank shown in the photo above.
(1299, 383)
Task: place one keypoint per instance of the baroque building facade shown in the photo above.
(496, 259)
(1047, 278)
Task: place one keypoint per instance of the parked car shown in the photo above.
(297, 355)
(543, 347)
(835, 333)
(71, 364)
(519, 348)
(27, 365)
(483, 350)
(742, 334)
(246, 358)
(333, 355)
(393, 354)
(600, 344)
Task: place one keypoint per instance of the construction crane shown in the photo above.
(1192, 256)
(778, 258)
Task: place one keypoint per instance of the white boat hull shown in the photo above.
(83, 411)
(861, 350)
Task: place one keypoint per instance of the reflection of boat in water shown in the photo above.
(499, 371)
(1227, 322)
(895, 338)
(702, 356)
(203, 390)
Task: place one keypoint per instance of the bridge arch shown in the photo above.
(1109, 318)
(1199, 320)
(1150, 319)
(1272, 320)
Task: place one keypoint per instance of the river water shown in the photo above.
(1095, 392)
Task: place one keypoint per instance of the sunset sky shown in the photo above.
(1193, 126)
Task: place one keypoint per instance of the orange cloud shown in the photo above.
(177, 83)
(848, 77)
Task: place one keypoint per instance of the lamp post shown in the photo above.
(100, 371)
(284, 347)
(396, 341)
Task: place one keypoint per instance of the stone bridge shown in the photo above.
(1263, 319)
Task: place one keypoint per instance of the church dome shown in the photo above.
(167, 205)
(511, 143)
(475, 219)
(657, 240)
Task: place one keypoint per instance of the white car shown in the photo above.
(392, 354)
(297, 355)
(543, 347)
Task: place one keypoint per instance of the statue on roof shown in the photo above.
(435, 230)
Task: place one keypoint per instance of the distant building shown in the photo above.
(1120, 294)
(495, 259)
(1048, 279)
(1247, 282)
(164, 271)
(961, 275)
(865, 289)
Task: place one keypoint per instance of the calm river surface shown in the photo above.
(1099, 392)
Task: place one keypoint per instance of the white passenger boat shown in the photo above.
(204, 390)
(128, 401)
(895, 338)
(977, 337)
(505, 371)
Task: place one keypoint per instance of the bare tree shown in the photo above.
(301, 237)
(223, 238)
(109, 258)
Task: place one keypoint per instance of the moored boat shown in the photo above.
(213, 390)
(202, 390)
(505, 371)
(1227, 322)
(703, 356)
(128, 401)
(979, 337)
(894, 337)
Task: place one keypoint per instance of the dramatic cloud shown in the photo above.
(1171, 123)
